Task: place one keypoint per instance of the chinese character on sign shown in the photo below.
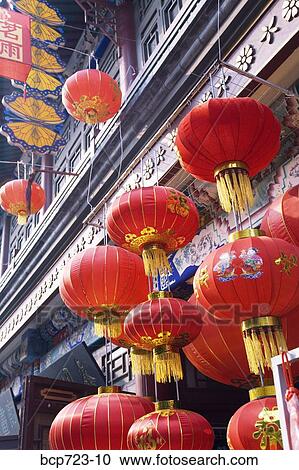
(15, 45)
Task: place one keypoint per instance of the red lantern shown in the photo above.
(15, 195)
(281, 219)
(91, 96)
(170, 429)
(103, 283)
(153, 221)
(249, 276)
(218, 351)
(165, 325)
(255, 426)
(228, 140)
(97, 422)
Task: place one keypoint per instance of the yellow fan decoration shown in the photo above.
(30, 137)
(45, 59)
(45, 33)
(41, 10)
(41, 83)
(34, 109)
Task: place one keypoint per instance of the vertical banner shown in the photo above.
(15, 45)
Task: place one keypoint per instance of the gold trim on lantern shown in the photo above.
(234, 186)
(107, 323)
(167, 362)
(263, 339)
(260, 322)
(248, 232)
(262, 392)
(165, 405)
(109, 389)
(229, 166)
(160, 295)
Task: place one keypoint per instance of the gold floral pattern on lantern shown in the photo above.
(148, 236)
(92, 110)
(177, 204)
(287, 263)
(268, 429)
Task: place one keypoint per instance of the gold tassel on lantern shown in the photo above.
(167, 362)
(155, 260)
(141, 361)
(263, 339)
(107, 323)
(233, 186)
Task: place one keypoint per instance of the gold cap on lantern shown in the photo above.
(109, 389)
(160, 295)
(248, 232)
(165, 405)
(262, 392)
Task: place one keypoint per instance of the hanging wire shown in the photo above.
(106, 361)
(111, 364)
(121, 150)
(177, 390)
(218, 30)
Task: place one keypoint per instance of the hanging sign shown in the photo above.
(15, 50)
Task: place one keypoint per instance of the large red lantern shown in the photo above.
(20, 199)
(228, 140)
(103, 283)
(168, 428)
(153, 221)
(249, 276)
(255, 426)
(281, 219)
(98, 422)
(91, 96)
(164, 324)
(218, 351)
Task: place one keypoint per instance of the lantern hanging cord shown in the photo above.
(218, 31)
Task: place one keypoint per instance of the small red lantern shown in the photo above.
(91, 96)
(168, 428)
(20, 199)
(281, 219)
(153, 221)
(228, 140)
(218, 351)
(255, 426)
(249, 276)
(98, 422)
(103, 283)
(165, 325)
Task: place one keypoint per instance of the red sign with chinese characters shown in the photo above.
(15, 45)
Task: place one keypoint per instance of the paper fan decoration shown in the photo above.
(46, 59)
(40, 9)
(31, 137)
(42, 32)
(41, 83)
(32, 108)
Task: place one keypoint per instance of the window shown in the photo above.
(170, 10)
(143, 6)
(28, 230)
(75, 158)
(87, 139)
(59, 184)
(150, 42)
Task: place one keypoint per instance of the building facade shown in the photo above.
(169, 55)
